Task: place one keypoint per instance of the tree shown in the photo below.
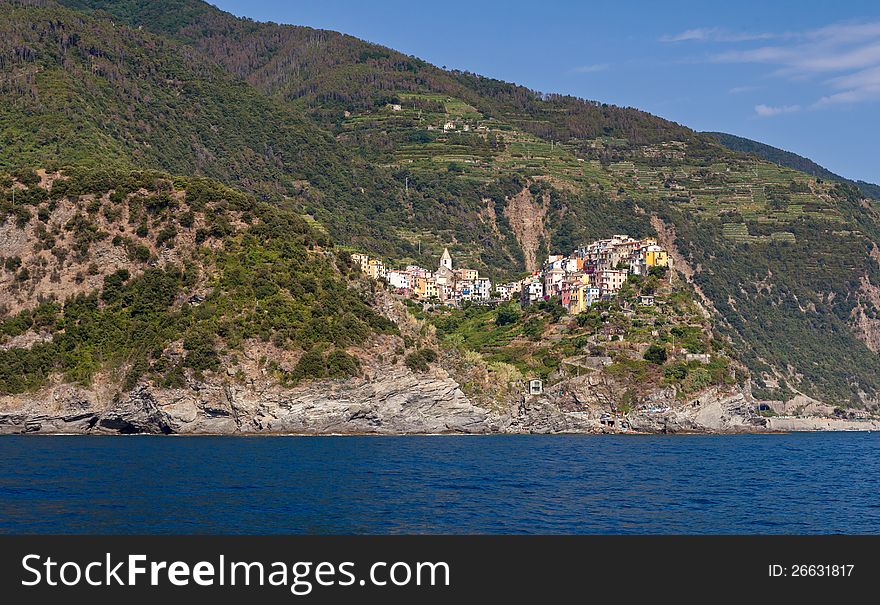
(656, 354)
(506, 315)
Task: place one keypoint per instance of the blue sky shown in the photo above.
(804, 76)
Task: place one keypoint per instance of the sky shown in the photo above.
(803, 76)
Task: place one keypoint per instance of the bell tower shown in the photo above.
(446, 260)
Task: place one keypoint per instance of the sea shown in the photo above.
(802, 483)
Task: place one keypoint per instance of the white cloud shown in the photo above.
(810, 58)
(716, 34)
(863, 78)
(856, 95)
(766, 111)
(700, 33)
(842, 57)
(856, 87)
(591, 69)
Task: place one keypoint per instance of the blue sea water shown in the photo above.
(796, 483)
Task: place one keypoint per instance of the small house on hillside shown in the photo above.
(536, 387)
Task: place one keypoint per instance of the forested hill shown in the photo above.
(788, 159)
(399, 158)
(327, 72)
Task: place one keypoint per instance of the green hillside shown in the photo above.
(788, 159)
(203, 270)
(394, 156)
(327, 72)
(78, 90)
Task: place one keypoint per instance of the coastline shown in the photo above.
(391, 400)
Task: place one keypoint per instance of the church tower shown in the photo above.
(446, 260)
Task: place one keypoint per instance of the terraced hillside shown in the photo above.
(629, 350)
(789, 160)
(786, 263)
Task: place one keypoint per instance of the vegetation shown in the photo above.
(274, 280)
(419, 359)
(788, 159)
(782, 256)
(637, 347)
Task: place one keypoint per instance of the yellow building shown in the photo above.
(426, 287)
(584, 279)
(362, 260)
(375, 268)
(655, 256)
(582, 297)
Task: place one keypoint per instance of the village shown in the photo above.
(589, 274)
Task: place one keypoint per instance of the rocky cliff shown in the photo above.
(390, 400)
(397, 402)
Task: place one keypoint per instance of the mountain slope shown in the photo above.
(327, 72)
(77, 90)
(146, 275)
(789, 160)
(87, 91)
(410, 158)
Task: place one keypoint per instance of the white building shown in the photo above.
(482, 288)
(611, 280)
(553, 281)
(399, 279)
(532, 290)
(446, 259)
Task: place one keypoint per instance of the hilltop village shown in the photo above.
(591, 273)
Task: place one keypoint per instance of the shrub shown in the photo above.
(342, 365)
(26, 176)
(656, 354)
(676, 371)
(200, 354)
(658, 272)
(310, 365)
(418, 361)
(506, 315)
(697, 379)
(138, 252)
(166, 235)
(12, 264)
(113, 285)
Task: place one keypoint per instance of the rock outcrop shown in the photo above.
(393, 400)
(389, 398)
(397, 402)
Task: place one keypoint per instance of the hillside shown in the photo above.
(328, 72)
(83, 91)
(160, 278)
(397, 157)
(78, 90)
(788, 160)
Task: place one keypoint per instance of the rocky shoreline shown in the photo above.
(391, 401)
